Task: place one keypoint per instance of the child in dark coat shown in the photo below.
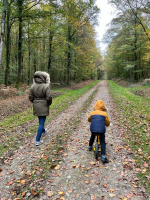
(99, 120)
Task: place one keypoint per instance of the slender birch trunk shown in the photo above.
(2, 30)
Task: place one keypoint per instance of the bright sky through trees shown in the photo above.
(105, 16)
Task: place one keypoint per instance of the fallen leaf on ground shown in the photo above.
(61, 193)
(92, 163)
(57, 167)
(131, 195)
(23, 181)
(33, 172)
(54, 165)
(105, 185)
(32, 191)
(23, 194)
(62, 198)
(112, 195)
(10, 183)
(50, 193)
(133, 184)
(145, 164)
(70, 191)
(93, 197)
(143, 170)
(111, 190)
(36, 167)
(36, 194)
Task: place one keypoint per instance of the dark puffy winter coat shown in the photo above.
(40, 94)
(98, 118)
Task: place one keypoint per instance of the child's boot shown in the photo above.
(104, 159)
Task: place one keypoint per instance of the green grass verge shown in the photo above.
(134, 115)
(9, 125)
(141, 91)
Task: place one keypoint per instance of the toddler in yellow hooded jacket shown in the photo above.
(99, 120)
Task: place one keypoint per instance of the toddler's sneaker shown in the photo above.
(104, 159)
(44, 133)
(37, 143)
(90, 148)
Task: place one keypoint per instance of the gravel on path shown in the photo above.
(78, 175)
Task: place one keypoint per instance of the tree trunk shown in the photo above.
(29, 56)
(135, 54)
(20, 8)
(140, 74)
(34, 64)
(69, 54)
(44, 45)
(7, 50)
(2, 30)
(50, 51)
(22, 77)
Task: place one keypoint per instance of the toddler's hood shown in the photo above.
(100, 105)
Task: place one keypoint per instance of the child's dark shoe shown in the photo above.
(90, 148)
(104, 159)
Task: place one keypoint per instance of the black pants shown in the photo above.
(102, 142)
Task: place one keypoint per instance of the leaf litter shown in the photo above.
(73, 171)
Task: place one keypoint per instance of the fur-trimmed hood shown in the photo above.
(41, 77)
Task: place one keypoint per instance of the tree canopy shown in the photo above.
(128, 54)
(51, 35)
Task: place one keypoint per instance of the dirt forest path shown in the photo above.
(78, 175)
